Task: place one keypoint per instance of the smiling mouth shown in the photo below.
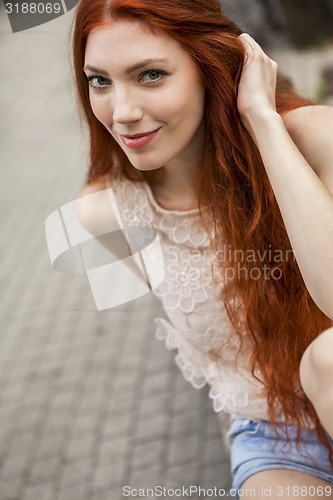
(137, 141)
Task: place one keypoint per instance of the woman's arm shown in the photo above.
(300, 172)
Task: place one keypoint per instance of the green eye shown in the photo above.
(98, 82)
(152, 76)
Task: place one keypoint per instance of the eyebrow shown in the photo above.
(95, 70)
(129, 70)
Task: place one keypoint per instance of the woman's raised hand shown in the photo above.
(257, 86)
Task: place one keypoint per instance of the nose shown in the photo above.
(126, 107)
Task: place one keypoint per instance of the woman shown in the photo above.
(191, 133)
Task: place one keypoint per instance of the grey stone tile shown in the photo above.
(120, 405)
(184, 450)
(30, 421)
(38, 397)
(22, 444)
(152, 429)
(89, 403)
(108, 477)
(184, 425)
(85, 425)
(179, 476)
(50, 445)
(146, 455)
(147, 478)
(156, 384)
(100, 376)
(216, 475)
(7, 432)
(214, 451)
(114, 494)
(42, 492)
(185, 402)
(13, 395)
(44, 471)
(114, 450)
(60, 400)
(57, 422)
(75, 474)
(118, 425)
(153, 405)
(15, 467)
(9, 489)
(80, 449)
(213, 430)
(78, 492)
(125, 382)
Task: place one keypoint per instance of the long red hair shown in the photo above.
(280, 317)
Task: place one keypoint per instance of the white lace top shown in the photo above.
(197, 322)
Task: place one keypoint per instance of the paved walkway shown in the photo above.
(90, 402)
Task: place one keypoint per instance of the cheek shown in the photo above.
(188, 108)
(197, 98)
(100, 110)
(197, 104)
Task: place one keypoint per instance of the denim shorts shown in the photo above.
(256, 447)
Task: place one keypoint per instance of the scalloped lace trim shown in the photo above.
(229, 391)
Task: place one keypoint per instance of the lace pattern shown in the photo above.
(197, 325)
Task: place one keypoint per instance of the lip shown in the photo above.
(137, 141)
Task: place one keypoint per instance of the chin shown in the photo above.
(145, 167)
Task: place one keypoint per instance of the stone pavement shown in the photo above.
(90, 401)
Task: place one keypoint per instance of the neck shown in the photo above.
(174, 184)
(174, 187)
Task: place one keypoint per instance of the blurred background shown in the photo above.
(298, 34)
(92, 401)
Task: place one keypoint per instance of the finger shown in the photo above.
(248, 38)
(252, 48)
(247, 42)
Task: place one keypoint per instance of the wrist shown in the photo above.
(259, 121)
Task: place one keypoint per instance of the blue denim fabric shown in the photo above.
(255, 447)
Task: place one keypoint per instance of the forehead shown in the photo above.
(129, 38)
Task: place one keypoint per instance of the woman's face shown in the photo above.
(147, 91)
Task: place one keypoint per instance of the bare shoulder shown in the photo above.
(95, 210)
(316, 120)
(311, 129)
(94, 187)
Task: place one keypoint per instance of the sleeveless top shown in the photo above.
(196, 325)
